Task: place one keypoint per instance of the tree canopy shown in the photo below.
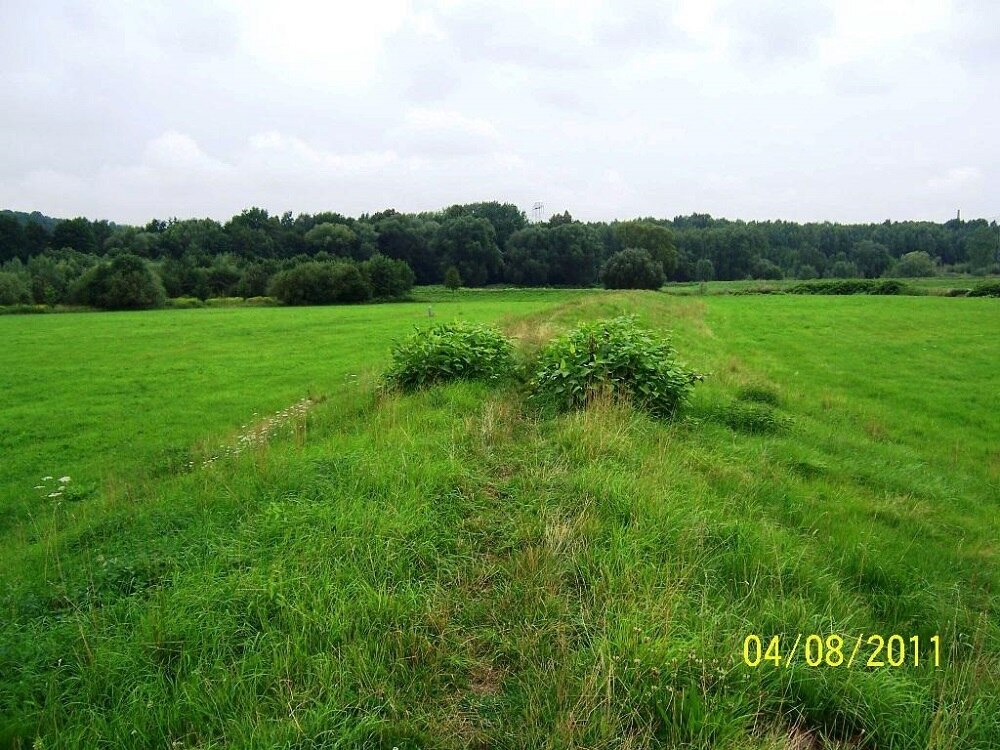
(487, 242)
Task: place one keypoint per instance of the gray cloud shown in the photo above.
(800, 111)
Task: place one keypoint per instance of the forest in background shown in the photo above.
(42, 259)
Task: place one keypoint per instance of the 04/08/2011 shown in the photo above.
(866, 650)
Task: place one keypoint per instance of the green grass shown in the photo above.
(130, 397)
(449, 569)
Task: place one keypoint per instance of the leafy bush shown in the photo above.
(704, 270)
(890, 286)
(260, 301)
(758, 289)
(767, 269)
(852, 286)
(986, 289)
(616, 356)
(915, 264)
(844, 269)
(349, 284)
(320, 283)
(224, 302)
(388, 278)
(449, 351)
(632, 269)
(452, 279)
(184, 302)
(13, 290)
(126, 283)
(753, 418)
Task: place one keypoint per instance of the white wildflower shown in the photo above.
(46, 479)
(55, 494)
(63, 480)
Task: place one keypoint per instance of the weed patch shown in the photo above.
(449, 351)
(615, 357)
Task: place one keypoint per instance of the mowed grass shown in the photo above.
(125, 398)
(450, 570)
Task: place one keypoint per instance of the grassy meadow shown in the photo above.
(451, 569)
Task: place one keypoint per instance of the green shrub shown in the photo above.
(184, 302)
(957, 292)
(753, 418)
(759, 289)
(986, 289)
(13, 290)
(126, 283)
(760, 394)
(388, 278)
(852, 286)
(449, 351)
(616, 356)
(321, 283)
(25, 309)
(260, 301)
(890, 286)
(224, 302)
(632, 268)
(915, 265)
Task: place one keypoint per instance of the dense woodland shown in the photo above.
(49, 261)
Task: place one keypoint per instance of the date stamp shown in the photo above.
(865, 650)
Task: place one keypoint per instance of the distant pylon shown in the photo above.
(537, 210)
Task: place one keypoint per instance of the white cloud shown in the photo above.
(445, 133)
(176, 177)
(839, 109)
(177, 152)
(954, 179)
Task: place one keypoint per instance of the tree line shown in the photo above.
(255, 253)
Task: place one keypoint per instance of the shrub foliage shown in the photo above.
(126, 283)
(632, 268)
(388, 278)
(617, 356)
(852, 286)
(13, 290)
(449, 351)
(321, 283)
(986, 289)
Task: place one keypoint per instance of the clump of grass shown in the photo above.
(449, 351)
(617, 357)
(759, 394)
(753, 418)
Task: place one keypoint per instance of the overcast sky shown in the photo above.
(802, 110)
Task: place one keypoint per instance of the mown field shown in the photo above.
(451, 569)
